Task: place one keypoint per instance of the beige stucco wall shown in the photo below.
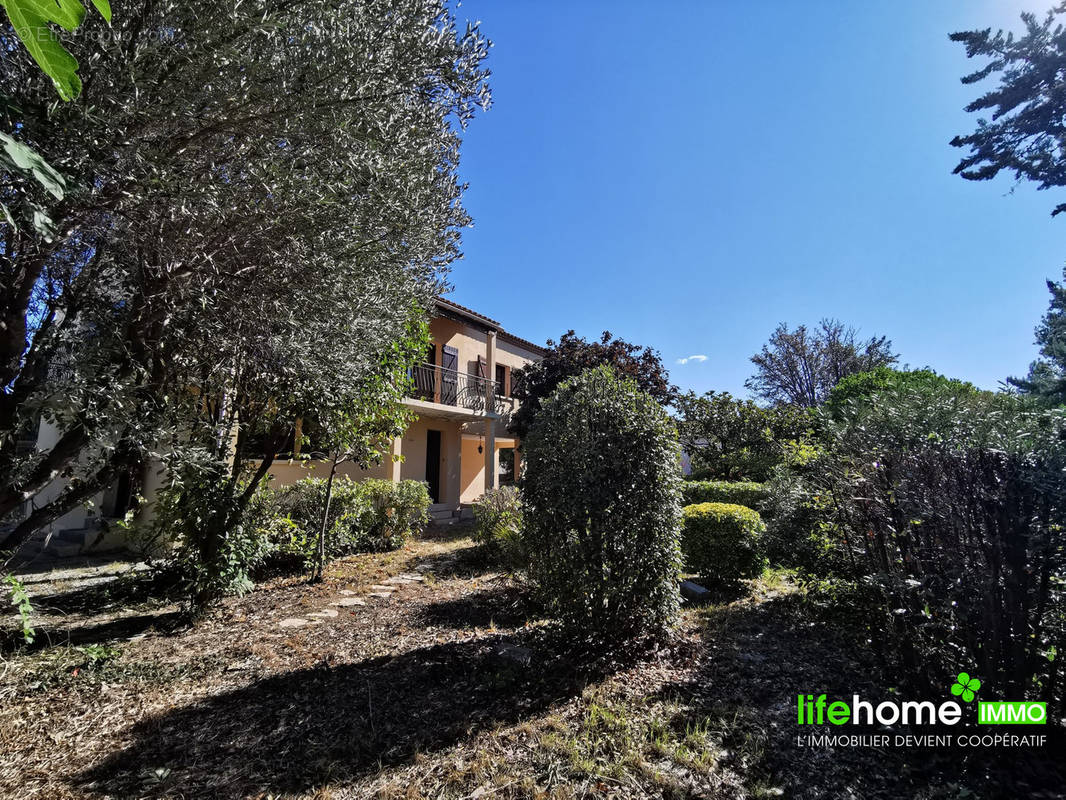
(473, 468)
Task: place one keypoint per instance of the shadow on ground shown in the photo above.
(113, 630)
(505, 606)
(759, 656)
(304, 729)
(463, 562)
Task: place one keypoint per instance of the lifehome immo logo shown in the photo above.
(821, 710)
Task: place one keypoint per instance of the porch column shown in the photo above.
(490, 454)
(517, 459)
(396, 450)
(490, 409)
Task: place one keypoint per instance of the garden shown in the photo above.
(225, 228)
(544, 650)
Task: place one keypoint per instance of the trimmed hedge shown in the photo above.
(722, 542)
(602, 508)
(741, 493)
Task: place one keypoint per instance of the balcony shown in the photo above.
(460, 390)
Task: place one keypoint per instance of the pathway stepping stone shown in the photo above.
(347, 591)
(380, 594)
(349, 601)
(377, 587)
(292, 622)
(325, 612)
(414, 577)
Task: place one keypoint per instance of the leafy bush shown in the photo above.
(199, 566)
(741, 493)
(736, 440)
(278, 531)
(602, 510)
(364, 516)
(945, 509)
(498, 514)
(722, 541)
(395, 511)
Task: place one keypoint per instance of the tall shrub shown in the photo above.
(602, 507)
(947, 508)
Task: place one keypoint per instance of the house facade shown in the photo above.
(458, 444)
(462, 394)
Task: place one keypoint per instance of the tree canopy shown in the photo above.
(802, 366)
(572, 356)
(261, 198)
(1028, 123)
(1047, 375)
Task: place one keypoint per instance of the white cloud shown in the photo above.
(698, 358)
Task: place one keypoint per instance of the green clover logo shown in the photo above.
(966, 686)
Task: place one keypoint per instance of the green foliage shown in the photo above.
(571, 357)
(602, 514)
(800, 367)
(941, 509)
(21, 601)
(498, 514)
(396, 510)
(1028, 110)
(741, 493)
(32, 19)
(731, 439)
(722, 541)
(1047, 376)
(864, 387)
(207, 566)
(283, 212)
(278, 530)
(365, 516)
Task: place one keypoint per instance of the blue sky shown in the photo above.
(689, 174)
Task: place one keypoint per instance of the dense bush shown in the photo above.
(741, 493)
(722, 541)
(278, 532)
(736, 440)
(364, 516)
(602, 507)
(944, 510)
(174, 532)
(498, 517)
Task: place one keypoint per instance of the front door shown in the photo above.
(433, 464)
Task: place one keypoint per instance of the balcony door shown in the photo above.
(449, 375)
(433, 464)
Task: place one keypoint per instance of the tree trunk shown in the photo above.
(320, 554)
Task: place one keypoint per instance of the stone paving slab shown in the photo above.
(325, 612)
(349, 601)
(380, 594)
(377, 587)
(292, 622)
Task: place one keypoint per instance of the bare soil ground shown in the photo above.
(452, 686)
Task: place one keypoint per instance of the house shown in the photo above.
(462, 394)
(458, 445)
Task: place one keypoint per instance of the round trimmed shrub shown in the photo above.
(722, 542)
(741, 493)
(602, 507)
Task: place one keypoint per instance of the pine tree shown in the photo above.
(1047, 375)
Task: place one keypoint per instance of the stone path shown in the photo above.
(349, 598)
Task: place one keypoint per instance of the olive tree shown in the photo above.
(602, 507)
(260, 199)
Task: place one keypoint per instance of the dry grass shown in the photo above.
(411, 697)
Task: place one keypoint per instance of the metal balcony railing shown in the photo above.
(435, 384)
